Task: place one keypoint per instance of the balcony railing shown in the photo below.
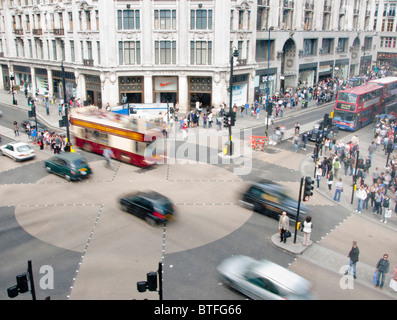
(18, 32)
(309, 6)
(89, 62)
(265, 3)
(288, 4)
(37, 32)
(59, 32)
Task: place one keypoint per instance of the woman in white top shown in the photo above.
(307, 227)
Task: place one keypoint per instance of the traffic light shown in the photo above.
(151, 278)
(32, 112)
(308, 188)
(150, 283)
(12, 291)
(233, 118)
(63, 122)
(327, 121)
(226, 120)
(269, 108)
(22, 283)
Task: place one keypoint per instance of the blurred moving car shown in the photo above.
(150, 206)
(72, 166)
(317, 132)
(18, 151)
(270, 198)
(263, 279)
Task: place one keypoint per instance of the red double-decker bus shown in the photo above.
(356, 107)
(128, 137)
(389, 100)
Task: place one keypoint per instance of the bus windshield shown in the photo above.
(347, 97)
(344, 116)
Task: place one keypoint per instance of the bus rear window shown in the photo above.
(347, 97)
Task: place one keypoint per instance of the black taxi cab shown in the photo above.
(270, 198)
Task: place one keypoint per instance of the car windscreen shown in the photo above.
(23, 148)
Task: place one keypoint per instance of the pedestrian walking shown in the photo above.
(361, 195)
(354, 256)
(295, 142)
(336, 167)
(28, 131)
(338, 190)
(382, 268)
(184, 129)
(283, 225)
(108, 154)
(386, 211)
(330, 181)
(16, 129)
(319, 175)
(307, 227)
(33, 134)
(367, 191)
(378, 203)
(58, 144)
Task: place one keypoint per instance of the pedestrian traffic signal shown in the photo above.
(233, 118)
(308, 188)
(226, 120)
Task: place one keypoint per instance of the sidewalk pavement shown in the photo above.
(374, 237)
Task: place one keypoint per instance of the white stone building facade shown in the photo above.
(180, 50)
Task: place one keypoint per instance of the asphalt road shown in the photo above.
(99, 252)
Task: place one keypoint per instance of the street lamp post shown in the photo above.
(234, 55)
(267, 83)
(68, 144)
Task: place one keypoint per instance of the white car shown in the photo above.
(263, 279)
(17, 151)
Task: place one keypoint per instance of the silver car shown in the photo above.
(17, 151)
(263, 279)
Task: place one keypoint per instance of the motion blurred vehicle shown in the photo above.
(270, 198)
(150, 206)
(40, 127)
(316, 134)
(18, 151)
(263, 279)
(69, 165)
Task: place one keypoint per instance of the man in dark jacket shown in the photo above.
(354, 256)
(382, 267)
